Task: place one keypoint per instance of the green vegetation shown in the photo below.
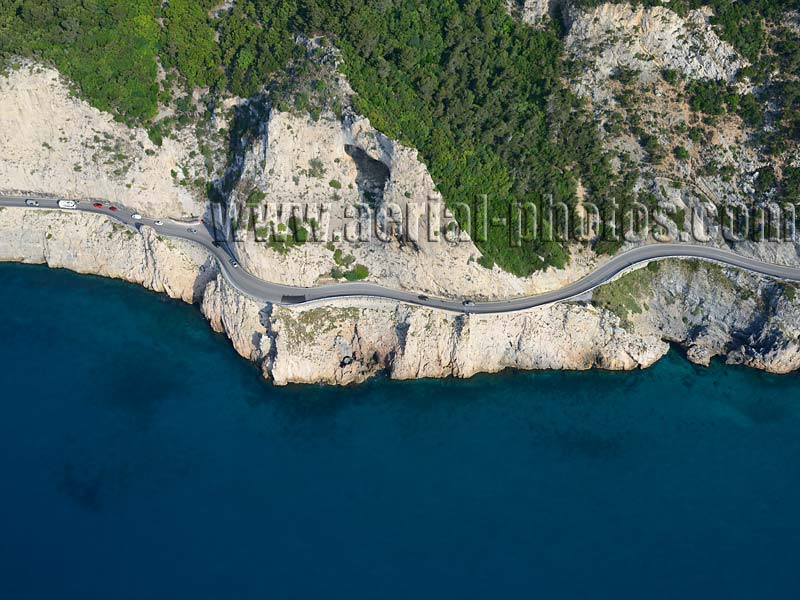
(357, 273)
(116, 228)
(343, 260)
(680, 219)
(478, 93)
(307, 325)
(625, 75)
(652, 147)
(623, 296)
(790, 290)
(717, 98)
(107, 47)
(758, 30)
(188, 42)
(255, 198)
(316, 168)
(791, 182)
(257, 40)
(766, 180)
(670, 76)
(709, 97)
(285, 236)
(751, 111)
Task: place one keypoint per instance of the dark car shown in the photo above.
(113, 208)
(423, 297)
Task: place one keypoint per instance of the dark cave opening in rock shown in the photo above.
(372, 175)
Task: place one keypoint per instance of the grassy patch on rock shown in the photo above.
(625, 296)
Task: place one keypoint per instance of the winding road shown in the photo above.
(264, 291)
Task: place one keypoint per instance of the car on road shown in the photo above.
(468, 303)
(136, 217)
(113, 208)
(98, 205)
(423, 297)
(159, 223)
(233, 262)
(31, 203)
(192, 230)
(67, 204)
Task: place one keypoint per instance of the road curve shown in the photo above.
(264, 291)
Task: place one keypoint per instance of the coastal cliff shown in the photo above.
(92, 244)
(647, 77)
(348, 341)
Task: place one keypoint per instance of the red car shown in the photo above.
(112, 208)
(97, 205)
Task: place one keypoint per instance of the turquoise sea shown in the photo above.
(141, 458)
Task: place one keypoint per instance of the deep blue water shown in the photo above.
(141, 458)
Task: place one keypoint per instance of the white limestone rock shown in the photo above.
(648, 40)
(53, 143)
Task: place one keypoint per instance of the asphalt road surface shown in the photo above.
(265, 291)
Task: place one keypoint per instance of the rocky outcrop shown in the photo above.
(637, 68)
(532, 12)
(538, 13)
(647, 40)
(713, 311)
(342, 343)
(709, 310)
(350, 168)
(342, 163)
(243, 320)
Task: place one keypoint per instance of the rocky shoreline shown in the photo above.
(706, 309)
(55, 143)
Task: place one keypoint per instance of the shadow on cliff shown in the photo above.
(249, 124)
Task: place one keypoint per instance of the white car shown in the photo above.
(67, 204)
(136, 217)
(159, 223)
(31, 203)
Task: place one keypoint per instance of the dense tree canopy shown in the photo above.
(189, 43)
(108, 47)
